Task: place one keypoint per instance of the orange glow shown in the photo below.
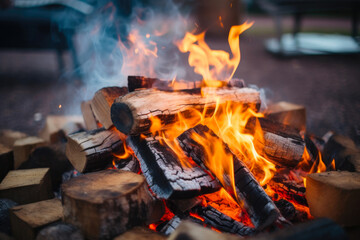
(60, 106)
(332, 166)
(213, 65)
(197, 216)
(221, 23)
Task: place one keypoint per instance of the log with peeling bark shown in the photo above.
(131, 113)
(222, 222)
(259, 206)
(279, 143)
(107, 203)
(101, 103)
(93, 150)
(165, 174)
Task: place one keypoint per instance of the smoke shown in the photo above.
(114, 42)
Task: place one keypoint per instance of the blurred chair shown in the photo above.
(297, 43)
(33, 24)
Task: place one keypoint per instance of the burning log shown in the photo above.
(171, 226)
(106, 203)
(288, 113)
(336, 195)
(279, 143)
(259, 206)
(27, 220)
(222, 222)
(27, 186)
(101, 103)
(165, 174)
(88, 115)
(131, 113)
(93, 150)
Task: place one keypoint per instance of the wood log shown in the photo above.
(107, 203)
(335, 195)
(222, 222)
(6, 161)
(57, 127)
(319, 229)
(279, 143)
(130, 164)
(8, 137)
(88, 115)
(60, 231)
(23, 147)
(93, 150)
(171, 226)
(193, 231)
(131, 113)
(102, 101)
(287, 113)
(260, 207)
(140, 233)
(166, 177)
(27, 186)
(27, 220)
(344, 151)
(141, 82)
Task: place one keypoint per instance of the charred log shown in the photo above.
(131, 113)
(165, 174)
(259, 206)
(93, 150)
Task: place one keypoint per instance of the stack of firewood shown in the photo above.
(108, 195)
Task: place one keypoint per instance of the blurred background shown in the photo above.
(56, 53)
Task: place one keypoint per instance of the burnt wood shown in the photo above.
(131, 113)
(279, 143)
(93, 150)
(106, 203)
(164, 173)
(222, 222)
(259, 206)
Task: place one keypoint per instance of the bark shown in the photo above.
(131, 113)
(259, 206)
(164, 173)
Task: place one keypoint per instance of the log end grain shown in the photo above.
(122, 117)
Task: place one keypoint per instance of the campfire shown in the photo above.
(167, 153)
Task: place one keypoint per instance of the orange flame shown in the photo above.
(213, 65)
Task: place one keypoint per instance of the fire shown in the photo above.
(213, 65)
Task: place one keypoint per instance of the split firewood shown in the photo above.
(171, 226)
(130, 164)
(344, 151)
(9, 137)
(6, 161)
(257, 203)
(102, 101)
(222, 222)
(27, 186)
(88, 115)
(60, 231)
(193, 231)
(107, 203)
(335, 195)
(23, 147)
(140, 233)
(27, 220)
(319, 229)
(58, 127)
(93, 150)
(131, 113)
(165, 174)
(287, 113)
(279, 143)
